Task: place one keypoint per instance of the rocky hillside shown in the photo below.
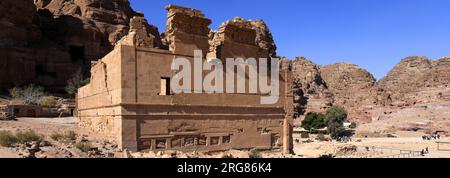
(414, 81)
(351, 85)
(418, 80)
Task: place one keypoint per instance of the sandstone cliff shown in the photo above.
(18, 30)
(49, 40)
(94, 24)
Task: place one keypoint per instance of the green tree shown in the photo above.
(335, 118)
(314, 121)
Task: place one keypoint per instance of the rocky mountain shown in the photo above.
(350, 84)
(418, 80)
(414, 81)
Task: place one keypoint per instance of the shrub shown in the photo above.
(352, 125)
(49, 101)
(314, 121)
(28, 136)
(70, 135)
(16, 92)
(66, 136)
(84, 146)
(30, 94)
(7, 139)
(255, 153)
(335, 118)
(57, 136)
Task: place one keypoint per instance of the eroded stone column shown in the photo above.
(187, 30)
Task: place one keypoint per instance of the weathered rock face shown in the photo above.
(308, 75)
(15, 29)
(95, 25)
(439, 75)
(402, 78)
(311, 91)
(264, 37)
(350, 84)
(110, 16)
(417, 80)
(51, 39)
(352, 87)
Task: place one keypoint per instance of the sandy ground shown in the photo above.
(425, 118)
(7, 153)
(385, 147)
(380, 148)
(48, 126)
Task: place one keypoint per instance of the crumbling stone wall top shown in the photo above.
(238, 30)
(146, 35)
(174, 9)
(186, 30)
(187, 20)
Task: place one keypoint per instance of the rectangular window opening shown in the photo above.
(165, 86)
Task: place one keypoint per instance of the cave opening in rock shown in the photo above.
(39, 69)
(76, 53)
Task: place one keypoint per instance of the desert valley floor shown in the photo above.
(407, 145)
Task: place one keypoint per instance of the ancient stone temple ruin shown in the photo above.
(130, 96)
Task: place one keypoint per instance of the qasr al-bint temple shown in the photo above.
(130, 98)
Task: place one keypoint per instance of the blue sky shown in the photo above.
(374, 34)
